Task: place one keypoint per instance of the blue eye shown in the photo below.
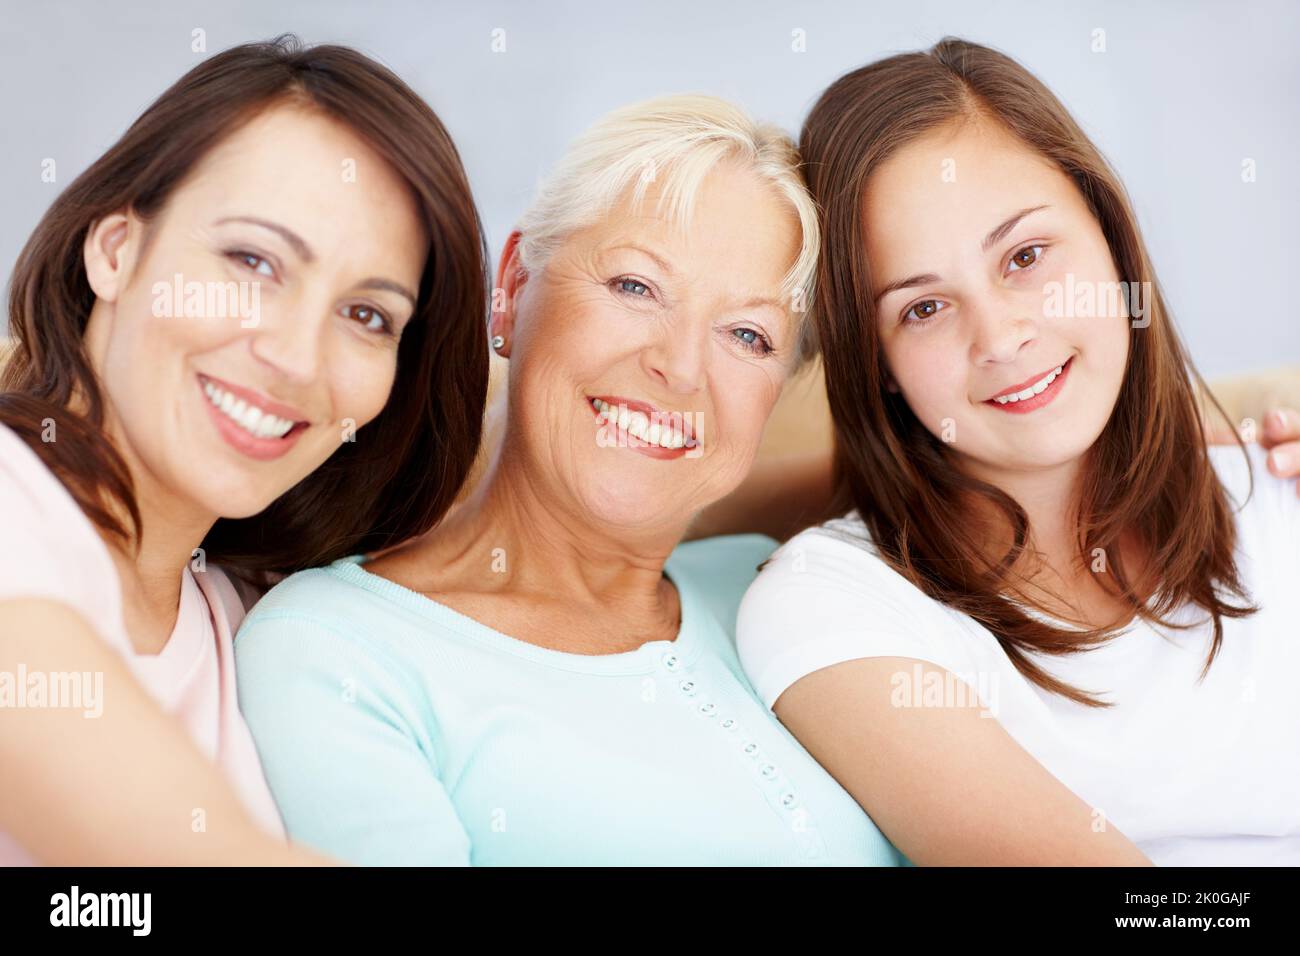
(1024, 258)
(633, 287)
(753, 340)
(923, 311)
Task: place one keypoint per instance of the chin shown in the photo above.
(233, 498)
(1039, 457)
(629, 511)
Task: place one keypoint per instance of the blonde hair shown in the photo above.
(675, 141)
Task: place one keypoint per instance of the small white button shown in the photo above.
(688, 687)
(708, 709)
(768, 771)
(789, 800)
(729, 723)
(672, 661)
(750, 748)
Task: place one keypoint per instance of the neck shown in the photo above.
(153, 563)
(1050, 500)
(539, 543)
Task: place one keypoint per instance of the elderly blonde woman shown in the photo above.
(549, 677)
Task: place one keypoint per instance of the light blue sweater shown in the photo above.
(394, 730)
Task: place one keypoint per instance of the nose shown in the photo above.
(291, 341)
(1000, 329)
(678, 358)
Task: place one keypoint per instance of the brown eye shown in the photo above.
(253, 262)
(372, 319)
(923, 311)
(1025, 258)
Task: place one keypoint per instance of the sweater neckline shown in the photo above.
(684, 649)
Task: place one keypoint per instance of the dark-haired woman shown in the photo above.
(1053, 627)
(210, 322)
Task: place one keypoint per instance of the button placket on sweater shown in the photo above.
(776, 789)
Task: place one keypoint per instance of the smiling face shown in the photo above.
(980, 249)
(636, 322)
(262, 313)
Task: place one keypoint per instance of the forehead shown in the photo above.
(296, 164)
(959, 178)
(739, 230)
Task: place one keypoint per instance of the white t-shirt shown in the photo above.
(1194, 773)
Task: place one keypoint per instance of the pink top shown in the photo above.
(50, 549)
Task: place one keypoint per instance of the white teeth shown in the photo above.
(638, 425)
(255, 421)
(1036, 389)
(251, 418)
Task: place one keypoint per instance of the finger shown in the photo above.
(1281, 425)
(1284, 460)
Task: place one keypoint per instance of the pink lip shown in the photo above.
(264, 402)
(624, 439)
(262, 449)
(688, 433)
(1038, 401)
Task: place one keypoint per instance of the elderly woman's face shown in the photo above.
(646, 357)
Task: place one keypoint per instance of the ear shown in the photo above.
(108, 252)
(510, 281)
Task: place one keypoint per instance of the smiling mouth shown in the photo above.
(248, 415)
(671, 431)
(1034, 393)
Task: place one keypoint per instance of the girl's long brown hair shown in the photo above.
(402, 472)
(1148, 475)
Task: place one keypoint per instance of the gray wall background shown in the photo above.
(1184, 92)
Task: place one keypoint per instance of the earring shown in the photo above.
(498, 341)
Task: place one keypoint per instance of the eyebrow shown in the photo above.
(296, 242)
(304, 252)
(995, 236)
(1001, 231)
(923, 279)
(387, 285)
(659, 260)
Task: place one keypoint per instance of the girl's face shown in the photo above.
(981, 253)
(257, 327)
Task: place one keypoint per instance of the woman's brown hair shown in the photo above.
(1148, 475)
(401, 473)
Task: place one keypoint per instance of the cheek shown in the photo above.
(1104, 342)
(741, 405)
(360, 383)
(151, 347)
(566, 346)
(930, 376)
